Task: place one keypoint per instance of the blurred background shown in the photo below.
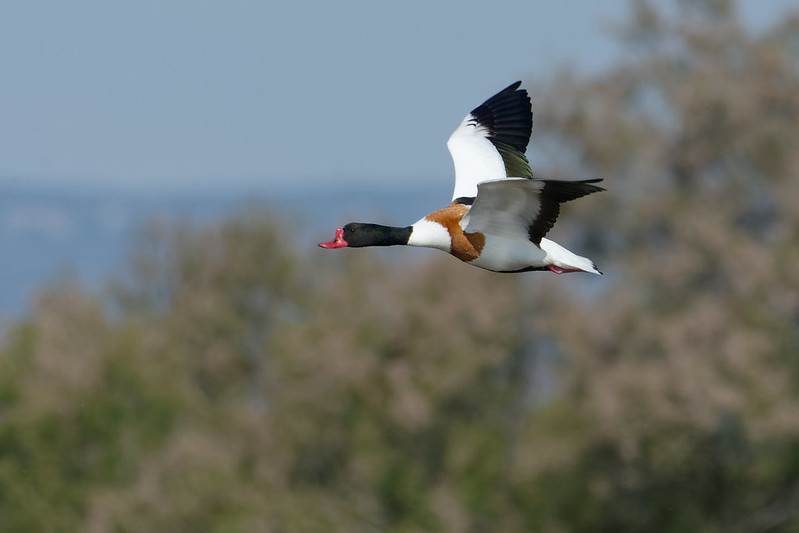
(177, 355)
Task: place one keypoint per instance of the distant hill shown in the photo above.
(87, 232)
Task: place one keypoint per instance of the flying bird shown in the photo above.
(499, 213)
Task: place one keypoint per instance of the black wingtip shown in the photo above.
(508, 116)
(565, 191)
(595, 180)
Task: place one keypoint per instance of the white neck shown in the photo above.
(429, 234)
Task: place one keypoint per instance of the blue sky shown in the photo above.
(264, 95)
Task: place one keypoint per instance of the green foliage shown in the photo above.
(80, 409)
(228, 382)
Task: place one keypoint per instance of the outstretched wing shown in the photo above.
(490, 142)
(522, 208)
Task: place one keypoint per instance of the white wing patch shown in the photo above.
(475, 158)
(504, 207)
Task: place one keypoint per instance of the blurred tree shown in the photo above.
(685, 371)
(227, 383)
(80, 407)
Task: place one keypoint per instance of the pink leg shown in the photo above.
(559, 270)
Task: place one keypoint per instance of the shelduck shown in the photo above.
(499, 212)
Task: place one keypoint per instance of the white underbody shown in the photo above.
(504, 254)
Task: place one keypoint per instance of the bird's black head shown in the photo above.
(359, 235)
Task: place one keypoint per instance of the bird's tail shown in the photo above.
(565, 261)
